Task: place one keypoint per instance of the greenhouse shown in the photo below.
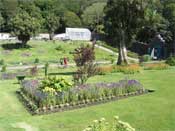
(78, 34)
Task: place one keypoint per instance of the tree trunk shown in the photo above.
(51, 35)
(174, 46)
(122, 57)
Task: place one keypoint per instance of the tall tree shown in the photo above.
(24, 26)
(169, 14)
(52, 22)
(70, 19)
(93, 15)
(122, 20)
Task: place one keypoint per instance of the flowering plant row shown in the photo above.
(47, 96)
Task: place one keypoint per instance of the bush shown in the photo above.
(4, 68)
(36, 61)
(156, 66)
(171, 61)
(55, 83)
(46, 66)
(103, 125)
(2, 62)
(84, 57)
(59, 48)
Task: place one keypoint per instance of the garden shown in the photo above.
(96, 65)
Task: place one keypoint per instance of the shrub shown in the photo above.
(103, 125)
(2, 62)
(59, 48)
(171, 61)
(4, 68)
(36, 61)
(46, 66)
(156, 66)
(57, 84)
(84, 57)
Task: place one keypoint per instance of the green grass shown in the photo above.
(151, 112)
(45, 52)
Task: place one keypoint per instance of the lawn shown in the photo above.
(151, 112)
(45, 51)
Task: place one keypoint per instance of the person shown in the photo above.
(65, 60)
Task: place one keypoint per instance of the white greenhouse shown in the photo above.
(78, 34)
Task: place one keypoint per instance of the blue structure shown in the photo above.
(157, 48)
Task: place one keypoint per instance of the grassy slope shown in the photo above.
(152, 112)
(46, 51)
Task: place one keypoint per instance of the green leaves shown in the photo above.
(58, 84)
(24, 26)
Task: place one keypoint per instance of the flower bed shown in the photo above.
(52, 96)
(128, 69)
(156, 66)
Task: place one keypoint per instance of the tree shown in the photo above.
(1, 22)
(93, 15)
(9, 9)
(24, 26)
(52, 22)
(169, 14)
(122, 20)
(70, 19)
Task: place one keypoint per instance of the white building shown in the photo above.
(78, 34)
(6, 36)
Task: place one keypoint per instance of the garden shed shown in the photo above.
(78, 34)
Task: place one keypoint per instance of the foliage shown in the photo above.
(4, 68)
(46, 66)
(52, 22)
(2, 62)
(93, 16)
(103, 125)
(55, 83)
(122, 24)
(128, 69)
(171, 61)
(156, 66)
(36, 61)
(70, 19)
(24, 26)
(84, 57)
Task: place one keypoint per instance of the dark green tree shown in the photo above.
(93, 16)
(52, 23)
(169, 14)
(70, 19)
(24, 26)
(122, 21)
